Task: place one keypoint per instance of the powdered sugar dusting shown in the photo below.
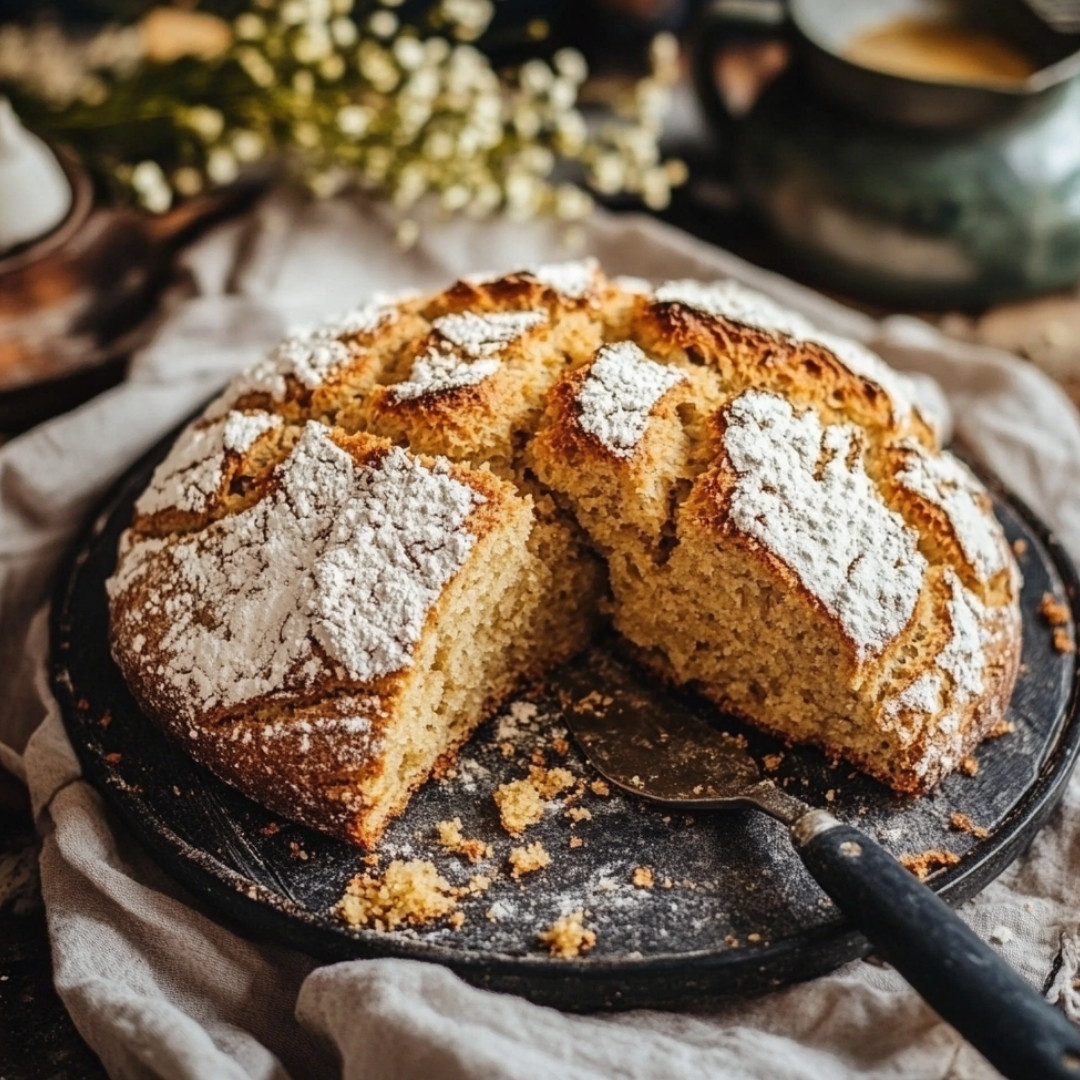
(731, 300)
(243, 429)
(906, 712)
(365, 318)
(964, 657)
(435, 371)
(343, 557)
(942, 694)
(798, 495)
(487, 333)
(193, 471)
(309, 357)
(620, 391)
(476, 340)
(944, 481)
(574, 279)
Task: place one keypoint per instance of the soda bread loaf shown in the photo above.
(376, 533)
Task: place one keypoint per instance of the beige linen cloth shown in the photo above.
(160, 989)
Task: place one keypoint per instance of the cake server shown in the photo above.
(676, 759)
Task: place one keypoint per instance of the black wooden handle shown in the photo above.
(959, 975)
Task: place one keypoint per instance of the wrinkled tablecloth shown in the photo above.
(159, 989)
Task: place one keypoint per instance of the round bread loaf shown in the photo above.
(377, 532)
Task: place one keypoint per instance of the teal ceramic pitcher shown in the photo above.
(909, 191)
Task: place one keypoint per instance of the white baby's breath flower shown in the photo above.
(304, 83)
(206, 122)
(563, 94)
(570, 64)
(247, 145)
(526, 121)
(148, 181)
(571, 203)
(249, 27)
(187, 181)
(535, 76)
(257, 67)
(312, 44)
(354, 120)
(305, 133)
(409, 52)
(293, 12)
(440, 146)
(221, 165)
(332, 67)
(537, 159)
(655, 188)
(608, 174)
(677, 172)
(454, 198)
(344, 32)
(571, 131)
(383, 24)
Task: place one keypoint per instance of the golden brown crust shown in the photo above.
(552, 492)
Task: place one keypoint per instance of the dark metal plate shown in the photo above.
(731, 909)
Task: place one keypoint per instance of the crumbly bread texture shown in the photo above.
(377, 532)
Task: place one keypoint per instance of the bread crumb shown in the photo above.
(969, 766)
(667, 883)
(731, 941)
(753, 938)
(1001, 935)
(962, 823)
(114, 758)
(450, 838)
(106, 719)
(771, 762)
(1019, 547)
(537, 757)
(274, 828)
(457, 920)
(408, 893)
(560, 746)
(567, 937)
(371, 860)
(1054, 611)
(922, 866)
(519, 806)
(600, 787)
(643, 877)
(507, 749)
(521, 802)
(527, 860)
(576, 842)
(1062, 642)
(479, 883)
(830, 795)
(1002, 727)
(579, 813)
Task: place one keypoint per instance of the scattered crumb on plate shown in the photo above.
(568, 937)
(1054, 611)
(450, 837)
(408, 893)
(962, 823)
(528, 859)
(922, 866)
(643, 877)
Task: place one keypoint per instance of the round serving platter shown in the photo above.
(730, 910)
